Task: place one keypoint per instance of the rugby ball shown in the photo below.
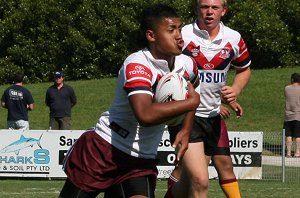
(170, 87)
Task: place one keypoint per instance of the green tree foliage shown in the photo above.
(267, 36)
(90, 39)
(289, 12)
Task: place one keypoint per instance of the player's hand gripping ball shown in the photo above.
(172, 87)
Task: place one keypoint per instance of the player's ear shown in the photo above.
(225, 9)
(150, 35)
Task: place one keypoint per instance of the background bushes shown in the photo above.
(90, 39)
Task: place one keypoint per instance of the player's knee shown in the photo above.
(199, 183)
(224, 164)
(227, 167)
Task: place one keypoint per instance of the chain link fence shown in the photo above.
(275, 166)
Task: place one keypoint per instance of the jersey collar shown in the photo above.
(204, 34)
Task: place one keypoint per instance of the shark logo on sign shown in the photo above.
(20, 144)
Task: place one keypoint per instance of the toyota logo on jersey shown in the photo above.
(134, 70)
(139, 68)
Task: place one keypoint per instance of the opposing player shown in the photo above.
(214, 47)
(118, 157)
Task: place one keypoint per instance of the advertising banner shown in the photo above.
(245, 148)
(34, 153)
(40, 153)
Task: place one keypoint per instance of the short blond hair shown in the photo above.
(196, 3)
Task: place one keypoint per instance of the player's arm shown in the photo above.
(182, 138)
(242, 77)
(149, 113)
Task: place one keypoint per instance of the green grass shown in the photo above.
(249, 189)
(262, 100)
(263, 104)
(93, 97)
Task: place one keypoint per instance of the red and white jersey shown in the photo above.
(213, 59)
(139, 74)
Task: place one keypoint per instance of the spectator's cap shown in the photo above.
(58, 74)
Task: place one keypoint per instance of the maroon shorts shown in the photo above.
(92, 164)
(212, 131)
(224, 139)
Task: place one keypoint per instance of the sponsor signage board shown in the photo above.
(40, 153)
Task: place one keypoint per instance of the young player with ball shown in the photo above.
(118, 157)
(215, 48)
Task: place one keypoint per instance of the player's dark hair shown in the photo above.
(18, 77)
(295, 77)
(150, 17)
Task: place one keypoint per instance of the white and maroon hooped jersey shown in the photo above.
(213, 59)
(139, 75)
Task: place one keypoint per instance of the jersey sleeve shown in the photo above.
(138, 79)
(243, 57)
(195, 72)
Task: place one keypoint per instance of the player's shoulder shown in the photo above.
(138, 65)
(187, 30)
(232, 34)
(230, 30)
(182, 58)
(135, 57)
(187, 27)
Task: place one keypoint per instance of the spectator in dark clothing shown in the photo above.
(17, 100)
(60, 98)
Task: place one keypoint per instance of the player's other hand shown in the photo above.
(228, 94)
(237, 108)
(181, 144)
(224, 112)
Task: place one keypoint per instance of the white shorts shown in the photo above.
(18, 125)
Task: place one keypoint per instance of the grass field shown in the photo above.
(262, 100)
(249, 189)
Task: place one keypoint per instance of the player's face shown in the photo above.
(209, 13)
(167, 39)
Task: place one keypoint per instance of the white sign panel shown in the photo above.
(34, 153)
